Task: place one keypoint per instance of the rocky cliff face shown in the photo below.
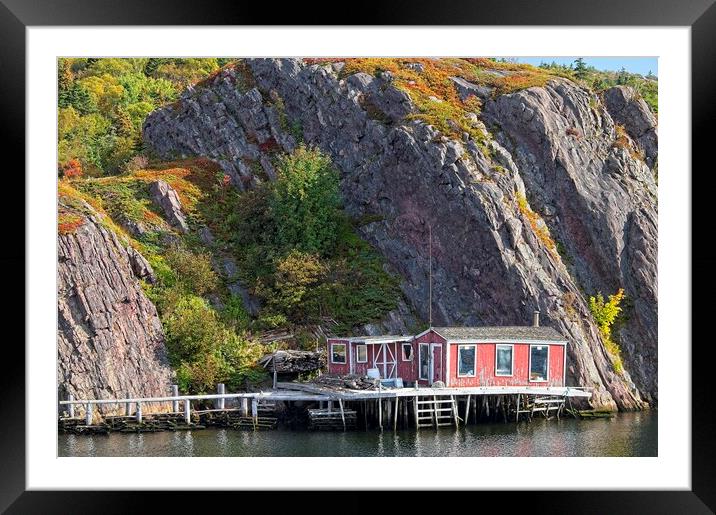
(627, 109)
(494, 259)
(598, 200)
(110, 339)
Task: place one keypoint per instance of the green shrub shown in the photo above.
(203, 350)
(294, 282)
(234, 313)
(304, 201)
(605, 313)
(192, 329)
(192, 270)
(267, 321)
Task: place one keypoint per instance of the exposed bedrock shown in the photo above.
(110, 338)
(490, 264)
(631, 111)
(597, 199)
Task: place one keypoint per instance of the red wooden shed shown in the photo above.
(458, 356)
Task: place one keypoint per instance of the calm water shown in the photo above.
(628, 434)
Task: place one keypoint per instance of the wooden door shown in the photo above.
(437, 363)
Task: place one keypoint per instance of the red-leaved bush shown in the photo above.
(72, 169)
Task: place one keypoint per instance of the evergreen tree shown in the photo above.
(580, 68)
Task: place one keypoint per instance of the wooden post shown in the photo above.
(435, 411)
(380, 413)
(175, 403)
(415, 405)
(405, 414)
(343, 416)
(127, 407)
(467, 410)
(254, 411)
(517, 411)
(330, 406)
(388, 411)
(455, 416)
(139, 412)
(71, 407)
(187, 411)
(221, 402)
(275, 378)
(395, 419)
(244, 407)
(88, 414)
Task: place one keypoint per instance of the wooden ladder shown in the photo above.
(547, 405)
(437, 412)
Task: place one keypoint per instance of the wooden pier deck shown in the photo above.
(381, 408)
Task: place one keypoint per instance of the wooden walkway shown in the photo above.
(431, 407)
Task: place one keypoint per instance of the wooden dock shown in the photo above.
(322, 407)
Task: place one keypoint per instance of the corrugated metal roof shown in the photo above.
(527, 332)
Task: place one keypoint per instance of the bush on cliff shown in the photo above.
(605, 313)
(304, 202)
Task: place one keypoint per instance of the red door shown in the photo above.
(437, 363)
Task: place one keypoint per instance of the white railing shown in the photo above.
(176, 399)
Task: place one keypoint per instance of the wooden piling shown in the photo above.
(187, 411)
(517, 411)
(254, 411)
(139, 412)
(395, 419)
(71, 397)
(415, 406)
(467, 410)
(405, 414)
(435, 412)
(380, 413)
(388, 411)
(175, 393)
(343, 415)
(127, 407)
(244, 407)
(88, 414)
(220, 390)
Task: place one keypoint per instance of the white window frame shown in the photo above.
(402, 351)
(345, 354)
(529, 368)
(512, 355)
(365, 346)
(474, 365)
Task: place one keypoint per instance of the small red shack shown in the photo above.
(458, 356)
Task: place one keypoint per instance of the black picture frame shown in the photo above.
(699, 15)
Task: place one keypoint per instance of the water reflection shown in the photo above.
(629, 434)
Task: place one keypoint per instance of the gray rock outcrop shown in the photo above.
(110, 338)
(492, 263)
(600, 202)
(166, 198)
(627, 108)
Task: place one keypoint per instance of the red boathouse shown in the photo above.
(458, 356)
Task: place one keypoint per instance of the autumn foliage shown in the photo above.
(72, 169)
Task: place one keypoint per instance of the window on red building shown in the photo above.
(539, 358)
(503, 360)
(338, 353)
(466, 360)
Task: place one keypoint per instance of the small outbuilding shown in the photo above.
(457, 356)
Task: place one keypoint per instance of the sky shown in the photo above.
(640, 65)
